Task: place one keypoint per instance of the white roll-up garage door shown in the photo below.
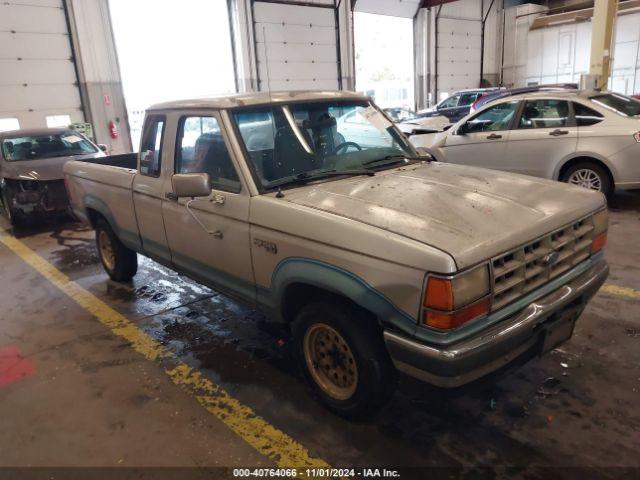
(296, 46)
(38, 83)
(459, 50)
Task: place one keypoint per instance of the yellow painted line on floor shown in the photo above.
(283, 450)
(621, 291)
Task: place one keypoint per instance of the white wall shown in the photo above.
(562, 53)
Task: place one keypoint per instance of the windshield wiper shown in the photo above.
(305, 177)
(392, 159)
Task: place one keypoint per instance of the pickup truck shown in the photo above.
(380, 259)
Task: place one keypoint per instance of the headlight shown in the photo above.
(600, 226)
(451, 301)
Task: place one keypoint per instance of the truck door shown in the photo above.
(211, 241)
(148, 190)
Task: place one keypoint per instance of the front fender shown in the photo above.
(328, 277)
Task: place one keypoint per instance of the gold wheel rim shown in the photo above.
(106, 250)
(330, 361)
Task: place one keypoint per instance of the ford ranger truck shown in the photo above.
(379, 259)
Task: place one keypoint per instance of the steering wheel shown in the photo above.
(345, 145)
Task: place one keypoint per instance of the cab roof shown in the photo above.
(260, 98)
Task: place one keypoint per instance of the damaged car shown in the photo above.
(31, 177)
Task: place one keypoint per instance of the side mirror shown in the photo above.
(103, 147)
(191, 185)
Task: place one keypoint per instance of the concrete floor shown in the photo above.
(86, 398)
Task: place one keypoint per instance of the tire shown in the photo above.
(589, 175)
(345, 336)
(12, 216)
(120, 262)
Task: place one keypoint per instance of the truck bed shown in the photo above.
(124, 160)
(103, 188)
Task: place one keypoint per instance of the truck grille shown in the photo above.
(526, 268)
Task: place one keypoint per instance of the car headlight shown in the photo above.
(450, 301)
(600, 226)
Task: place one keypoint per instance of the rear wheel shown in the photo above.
(589, 175)
(343, 358)
(120, 262)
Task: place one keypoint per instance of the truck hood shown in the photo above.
(471, 213)
(42, 169)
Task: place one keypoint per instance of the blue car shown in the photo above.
(457, 105)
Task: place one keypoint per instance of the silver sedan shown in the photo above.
(586, 138)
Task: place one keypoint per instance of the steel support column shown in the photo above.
(604, 18)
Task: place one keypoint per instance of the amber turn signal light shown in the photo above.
(439, 294)
(598, 242)
(449, 320)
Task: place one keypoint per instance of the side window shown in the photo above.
(467, 99)
(201, 149)
(544, 114)
(151, 146)
(586, 116)
(495, 118)
(450, 102)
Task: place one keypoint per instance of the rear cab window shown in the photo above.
(151, 145)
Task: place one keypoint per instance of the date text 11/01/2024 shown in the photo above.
(316, 473)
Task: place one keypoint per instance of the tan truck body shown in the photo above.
(373, 240)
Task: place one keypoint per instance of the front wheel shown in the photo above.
(12, 216)
(591, 176)
(343, 358)
(120, 262)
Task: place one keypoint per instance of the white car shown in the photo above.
(586, 138)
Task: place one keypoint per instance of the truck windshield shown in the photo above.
(285, 141)
(627, 106)
(34, 147)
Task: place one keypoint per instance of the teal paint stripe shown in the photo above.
(329, 277)
(215, 278)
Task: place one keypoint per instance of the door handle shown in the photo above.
(218, 199)
(493, 136)
(558, 132)
(170, 196)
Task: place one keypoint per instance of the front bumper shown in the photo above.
(464, 361)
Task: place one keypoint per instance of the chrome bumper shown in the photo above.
(462, 362)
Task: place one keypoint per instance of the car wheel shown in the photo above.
(343, 358)
(591, 176)
(120, 262)
(13, 217)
